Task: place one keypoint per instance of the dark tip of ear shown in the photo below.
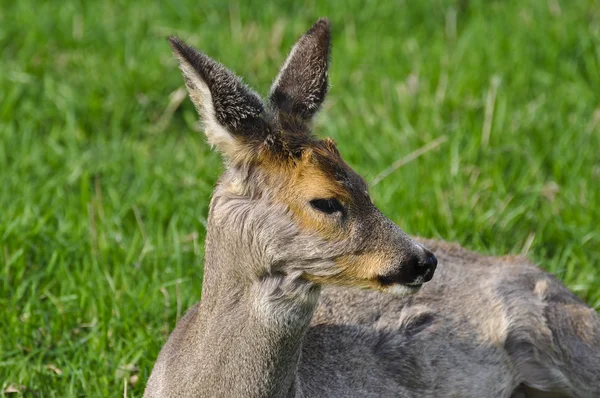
(321, 30)
(173, 40)
(177, 46)
(322, 26)
(186, 52)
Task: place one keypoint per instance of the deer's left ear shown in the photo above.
(301, 86)
(234, 116)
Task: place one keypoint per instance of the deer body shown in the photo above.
(292, 235)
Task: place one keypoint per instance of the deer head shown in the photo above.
(287, 202)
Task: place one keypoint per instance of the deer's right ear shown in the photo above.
(234, 116)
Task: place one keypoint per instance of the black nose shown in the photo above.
(417, 269)
(427, 267)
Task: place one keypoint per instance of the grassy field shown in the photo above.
(105, 180)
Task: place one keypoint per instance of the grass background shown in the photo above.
(104, 183)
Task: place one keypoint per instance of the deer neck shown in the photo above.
(253, 327)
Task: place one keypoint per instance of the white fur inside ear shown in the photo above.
(217, 135)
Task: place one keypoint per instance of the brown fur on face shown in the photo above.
(319, 172)
(363, 268)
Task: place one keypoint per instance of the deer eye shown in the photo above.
(327, 206)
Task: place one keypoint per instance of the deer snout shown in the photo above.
(415, 270)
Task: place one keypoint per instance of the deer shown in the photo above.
(310, 291)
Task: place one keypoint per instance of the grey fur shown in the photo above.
(482, 327)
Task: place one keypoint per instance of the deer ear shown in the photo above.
(301, 86)
(234, 116)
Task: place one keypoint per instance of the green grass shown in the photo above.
(104, 193)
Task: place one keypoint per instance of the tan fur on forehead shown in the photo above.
(315, 167)
(314, 176)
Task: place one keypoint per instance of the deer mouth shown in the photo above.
(402, 283)
(400, 278)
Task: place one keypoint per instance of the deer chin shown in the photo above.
(401, 290)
